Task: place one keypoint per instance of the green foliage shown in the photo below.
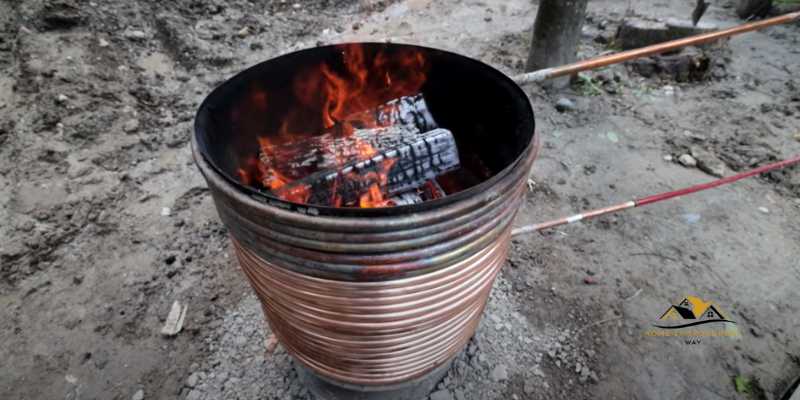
(588, 86)
(743, 385)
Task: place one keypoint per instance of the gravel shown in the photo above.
(131, 126)
(443, 394)
(500, 373)
(239, 367)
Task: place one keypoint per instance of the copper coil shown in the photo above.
(375, 333)
(375, 298)
(375, 301)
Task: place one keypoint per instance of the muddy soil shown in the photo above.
(106, 221)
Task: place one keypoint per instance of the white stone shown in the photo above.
(687, 160)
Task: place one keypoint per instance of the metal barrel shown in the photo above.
(376, 298)
(373, 301)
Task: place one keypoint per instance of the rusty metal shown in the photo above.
(603, 61)
(377, 297)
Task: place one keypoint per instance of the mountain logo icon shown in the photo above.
(692, 311)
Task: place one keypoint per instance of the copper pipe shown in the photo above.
(602, 61)
(656, 198)
(375, 333)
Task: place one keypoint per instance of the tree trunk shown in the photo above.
(556, 34)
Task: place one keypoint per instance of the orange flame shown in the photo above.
(338, 92)
(333, 95)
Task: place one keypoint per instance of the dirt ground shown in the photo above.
(106, 221)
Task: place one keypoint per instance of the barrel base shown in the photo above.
(327, 389)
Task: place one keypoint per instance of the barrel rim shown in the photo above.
(209, 168)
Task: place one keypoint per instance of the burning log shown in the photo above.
(402, 162)
(406, 111)
(362, 160)
(384, 127)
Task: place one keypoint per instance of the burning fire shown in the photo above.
(333, 97)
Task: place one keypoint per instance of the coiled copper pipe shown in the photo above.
(375, 333)
(371, 299)
(357, 312)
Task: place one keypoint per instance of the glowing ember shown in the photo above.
(372, 176)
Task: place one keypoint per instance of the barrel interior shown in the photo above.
(489, 116)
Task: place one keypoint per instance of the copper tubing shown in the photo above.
(374, 301)
(602, 61)
(657, 197)
(375, 333)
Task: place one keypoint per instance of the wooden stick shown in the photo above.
(654, 198)
(602, 61)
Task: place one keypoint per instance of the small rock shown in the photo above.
(634, 33)
(601, 39)
(472, 349)
(565, 104)
(244, 32)
(500, 373)
(356, 26)
(166, 211)
(668, 157)
(529, 387)
(707, 162)
(588, 280)
(130, 126)
(192, 380)
(687, 161)
(135, 35)
(764, 210)
(103, 43)
(271, 343)
(62, 98)
(174, 321)
(797, 136)
(443, 394)
(139, 395)
(691, 218)
(71, 379)
(194, 395)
